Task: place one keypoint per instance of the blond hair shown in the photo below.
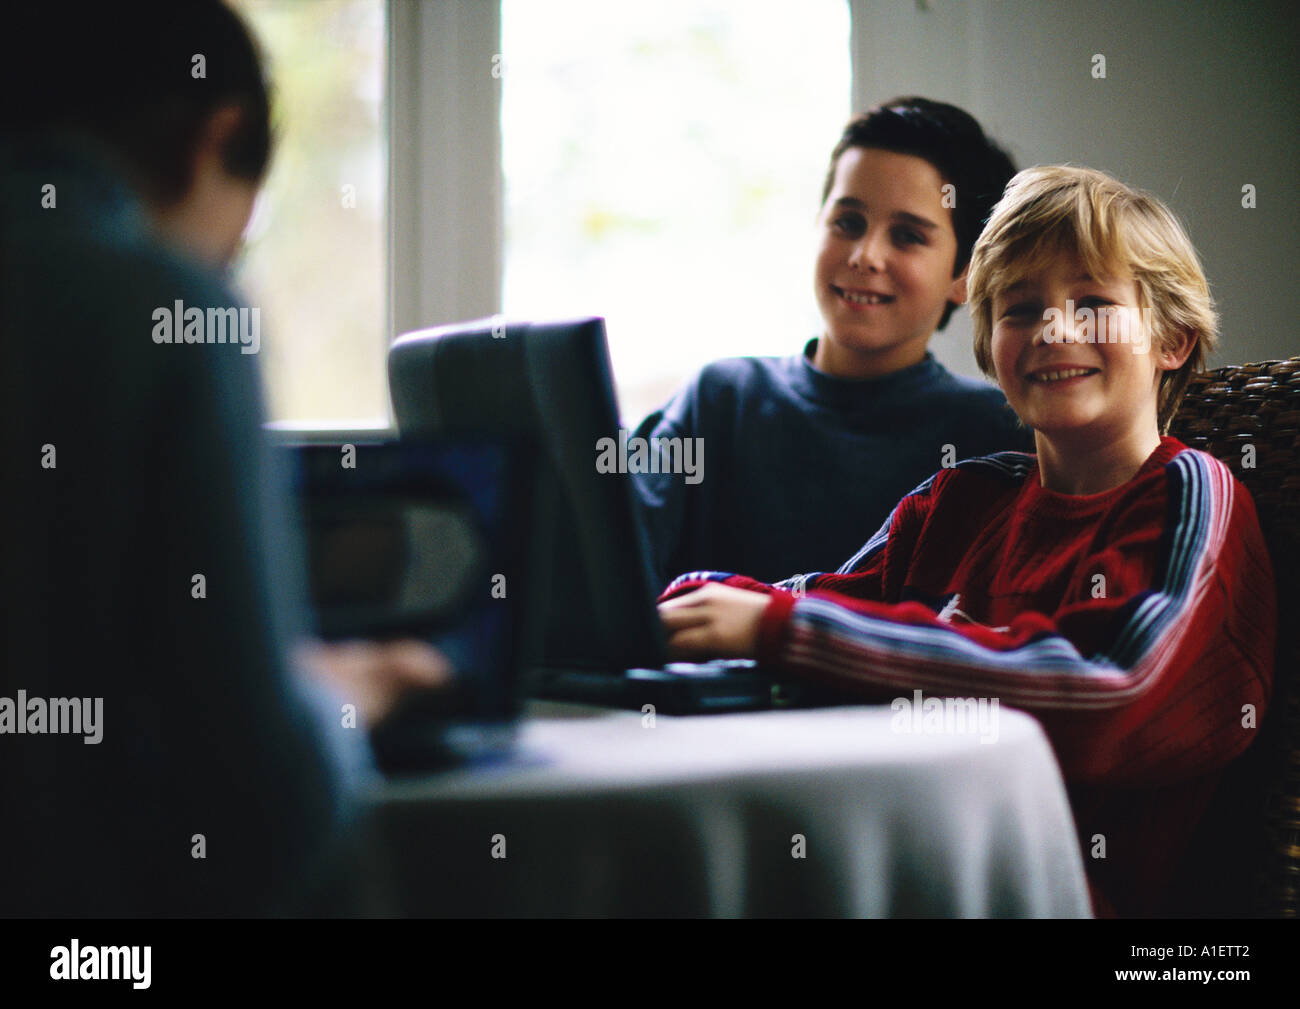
(1054, 209)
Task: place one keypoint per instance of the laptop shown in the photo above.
(417, 539)
(596, 637)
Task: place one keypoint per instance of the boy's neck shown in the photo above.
(1079, 465)
(846, 362)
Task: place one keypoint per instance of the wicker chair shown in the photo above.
(1257, 872)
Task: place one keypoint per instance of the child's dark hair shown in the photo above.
(949, 139)
(129, 76)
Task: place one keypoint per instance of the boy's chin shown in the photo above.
(1067, 429)
(1058, 417)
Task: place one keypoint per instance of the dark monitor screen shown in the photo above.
(411, 539)
(551, 385)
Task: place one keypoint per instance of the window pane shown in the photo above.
(663, 167)
(316, 255)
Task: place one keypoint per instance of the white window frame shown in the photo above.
(445, 183)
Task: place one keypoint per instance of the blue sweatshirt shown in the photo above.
(801, 467)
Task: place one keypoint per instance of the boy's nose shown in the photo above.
(867, 254)
(1059, 323)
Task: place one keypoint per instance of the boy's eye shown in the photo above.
(908, 236)
(852, 225)
(1095, 301)
(1021, 311)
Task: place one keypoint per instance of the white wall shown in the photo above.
(1199, 99)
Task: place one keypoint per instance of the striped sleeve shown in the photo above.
(1155, 677)
(693, 580)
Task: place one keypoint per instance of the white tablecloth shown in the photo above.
(608, 815)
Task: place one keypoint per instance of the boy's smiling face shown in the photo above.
(883, 273)
(1060, 377)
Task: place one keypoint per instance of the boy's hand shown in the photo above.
(375, 675)
(714, 621)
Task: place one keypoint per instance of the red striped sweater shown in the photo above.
(1135, 624)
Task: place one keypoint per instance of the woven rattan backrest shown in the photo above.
(1248, 417)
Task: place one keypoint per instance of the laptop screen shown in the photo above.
(549, 384)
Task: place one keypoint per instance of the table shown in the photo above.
(829, 812)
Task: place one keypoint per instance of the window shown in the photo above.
(663, 165)
(316, 257)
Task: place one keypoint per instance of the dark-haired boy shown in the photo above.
(805, 450)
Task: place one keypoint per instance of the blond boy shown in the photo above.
(1115, 584)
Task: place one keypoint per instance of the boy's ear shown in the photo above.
(206, 160)
(1176, 349)
(216, 132)
(957, 292)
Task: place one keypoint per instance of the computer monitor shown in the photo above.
(408, 539)
(549, 384)
(419, 539)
